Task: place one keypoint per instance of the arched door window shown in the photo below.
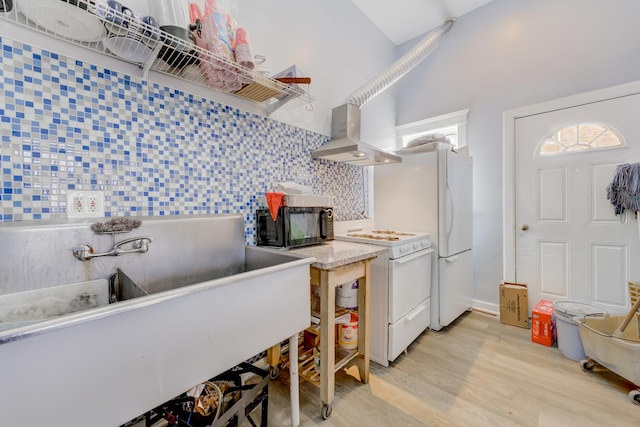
(580, 137)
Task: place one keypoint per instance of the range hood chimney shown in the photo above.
(345, 145)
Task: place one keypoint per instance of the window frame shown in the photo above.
(577, 125)
(451, 122)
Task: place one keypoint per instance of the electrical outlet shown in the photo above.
(85, 204)
(93, 203)
(78, 204)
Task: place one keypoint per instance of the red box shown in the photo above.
(543, 330)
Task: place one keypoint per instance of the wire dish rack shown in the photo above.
(94, 25)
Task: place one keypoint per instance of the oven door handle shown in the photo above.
(413, 256)
(415, 313)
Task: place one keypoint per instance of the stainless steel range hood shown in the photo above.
(345, 145)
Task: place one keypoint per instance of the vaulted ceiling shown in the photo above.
(402, 20)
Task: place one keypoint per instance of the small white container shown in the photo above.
(347, 295)
(308, 200)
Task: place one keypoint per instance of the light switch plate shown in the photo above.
(85, 204)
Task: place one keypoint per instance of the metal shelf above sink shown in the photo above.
(93, 25)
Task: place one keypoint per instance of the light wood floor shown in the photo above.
(476, 372)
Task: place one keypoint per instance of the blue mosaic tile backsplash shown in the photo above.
(153, 150)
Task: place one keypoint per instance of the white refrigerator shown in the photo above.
(432, 192)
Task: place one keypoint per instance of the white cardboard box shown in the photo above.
(306, 200)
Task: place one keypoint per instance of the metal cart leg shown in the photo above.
(264, 417)
(294, 387)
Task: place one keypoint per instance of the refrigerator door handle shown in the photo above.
(451, 259)
(451, 212)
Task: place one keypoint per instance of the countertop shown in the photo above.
(337, 253)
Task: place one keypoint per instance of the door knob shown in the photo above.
(524, 227)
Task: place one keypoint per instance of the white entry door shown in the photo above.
(569, 243)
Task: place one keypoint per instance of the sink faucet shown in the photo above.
(138, 244)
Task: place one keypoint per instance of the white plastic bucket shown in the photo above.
(347, 295)
(568, 332)
(348, 333)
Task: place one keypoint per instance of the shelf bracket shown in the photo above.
(273, 106)
(146, 66)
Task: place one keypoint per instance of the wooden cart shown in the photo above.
(332, 270)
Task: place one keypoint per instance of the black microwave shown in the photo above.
(295, 226)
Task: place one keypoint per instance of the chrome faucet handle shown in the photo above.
(83, 252)
(143, 244)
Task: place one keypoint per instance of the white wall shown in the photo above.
(336, 45)
(509, 54)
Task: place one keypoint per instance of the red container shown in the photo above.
(543, 330)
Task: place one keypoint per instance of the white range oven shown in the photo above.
(400, 286)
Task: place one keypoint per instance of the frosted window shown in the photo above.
(450, 132)
(452, 125)
(580, 137)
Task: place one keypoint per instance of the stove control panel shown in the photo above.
(405, 249)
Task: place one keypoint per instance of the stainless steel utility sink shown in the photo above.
(23, 310)
(211, 303)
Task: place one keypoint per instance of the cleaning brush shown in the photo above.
(116, 225)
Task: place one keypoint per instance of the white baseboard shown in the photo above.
(486, 307)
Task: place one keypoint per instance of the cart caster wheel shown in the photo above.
(587, 365)
(634, 395)
(273, 372)
(326, 411)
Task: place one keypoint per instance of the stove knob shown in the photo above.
(404, 249)
(416, 245)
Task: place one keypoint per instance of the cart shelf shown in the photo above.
(306, 363)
